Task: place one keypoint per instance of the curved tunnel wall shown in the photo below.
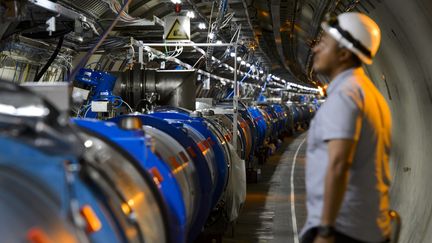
(403, 72)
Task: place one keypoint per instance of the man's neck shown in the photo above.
(340, 69)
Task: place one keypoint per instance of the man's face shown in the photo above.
(325, 55)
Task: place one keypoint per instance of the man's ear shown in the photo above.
(344, 55)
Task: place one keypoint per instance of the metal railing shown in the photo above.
(396, 226)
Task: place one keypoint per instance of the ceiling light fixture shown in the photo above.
(190, 14)
(201, 26)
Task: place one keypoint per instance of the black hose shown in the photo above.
(50, 60)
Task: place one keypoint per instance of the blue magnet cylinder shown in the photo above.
(135, 143)
(206, 187)
(200, 126)
(261, 124)
(49, 171)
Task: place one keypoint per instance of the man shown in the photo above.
(347, 168)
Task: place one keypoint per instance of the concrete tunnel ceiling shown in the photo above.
(284, 32)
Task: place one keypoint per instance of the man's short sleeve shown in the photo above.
(342, 119)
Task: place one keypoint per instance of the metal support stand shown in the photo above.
(235, 102)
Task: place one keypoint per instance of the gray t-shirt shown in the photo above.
(354, 109)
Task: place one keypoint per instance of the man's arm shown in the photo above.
(340, 152)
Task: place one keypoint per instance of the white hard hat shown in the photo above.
(357, 32)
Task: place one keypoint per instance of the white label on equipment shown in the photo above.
(99, 106)
(141, 54)
(81, 93)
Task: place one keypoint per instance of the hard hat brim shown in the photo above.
(333, 32)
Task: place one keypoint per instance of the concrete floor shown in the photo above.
(267, 214)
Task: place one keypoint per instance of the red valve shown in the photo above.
(177, 8)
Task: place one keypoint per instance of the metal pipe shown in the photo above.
(235, 102)
(174, 87)
(236, 95)
(187, 44)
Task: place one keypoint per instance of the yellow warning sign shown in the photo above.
(176, 32)
(177, 28)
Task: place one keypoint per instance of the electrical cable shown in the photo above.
(241, 83)
(198, 61)
(50, 60)
(84, 60)
(96, 66)
(85, 114)
(130, 108)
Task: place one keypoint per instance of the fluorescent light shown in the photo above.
(176, 1)
(201, 26)
(190, 14)
(218, 42)
(211, 35)
(248, 65)
(232, 54)
(261, 71)
(239, 59)
(243, 63)
(27, 111)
